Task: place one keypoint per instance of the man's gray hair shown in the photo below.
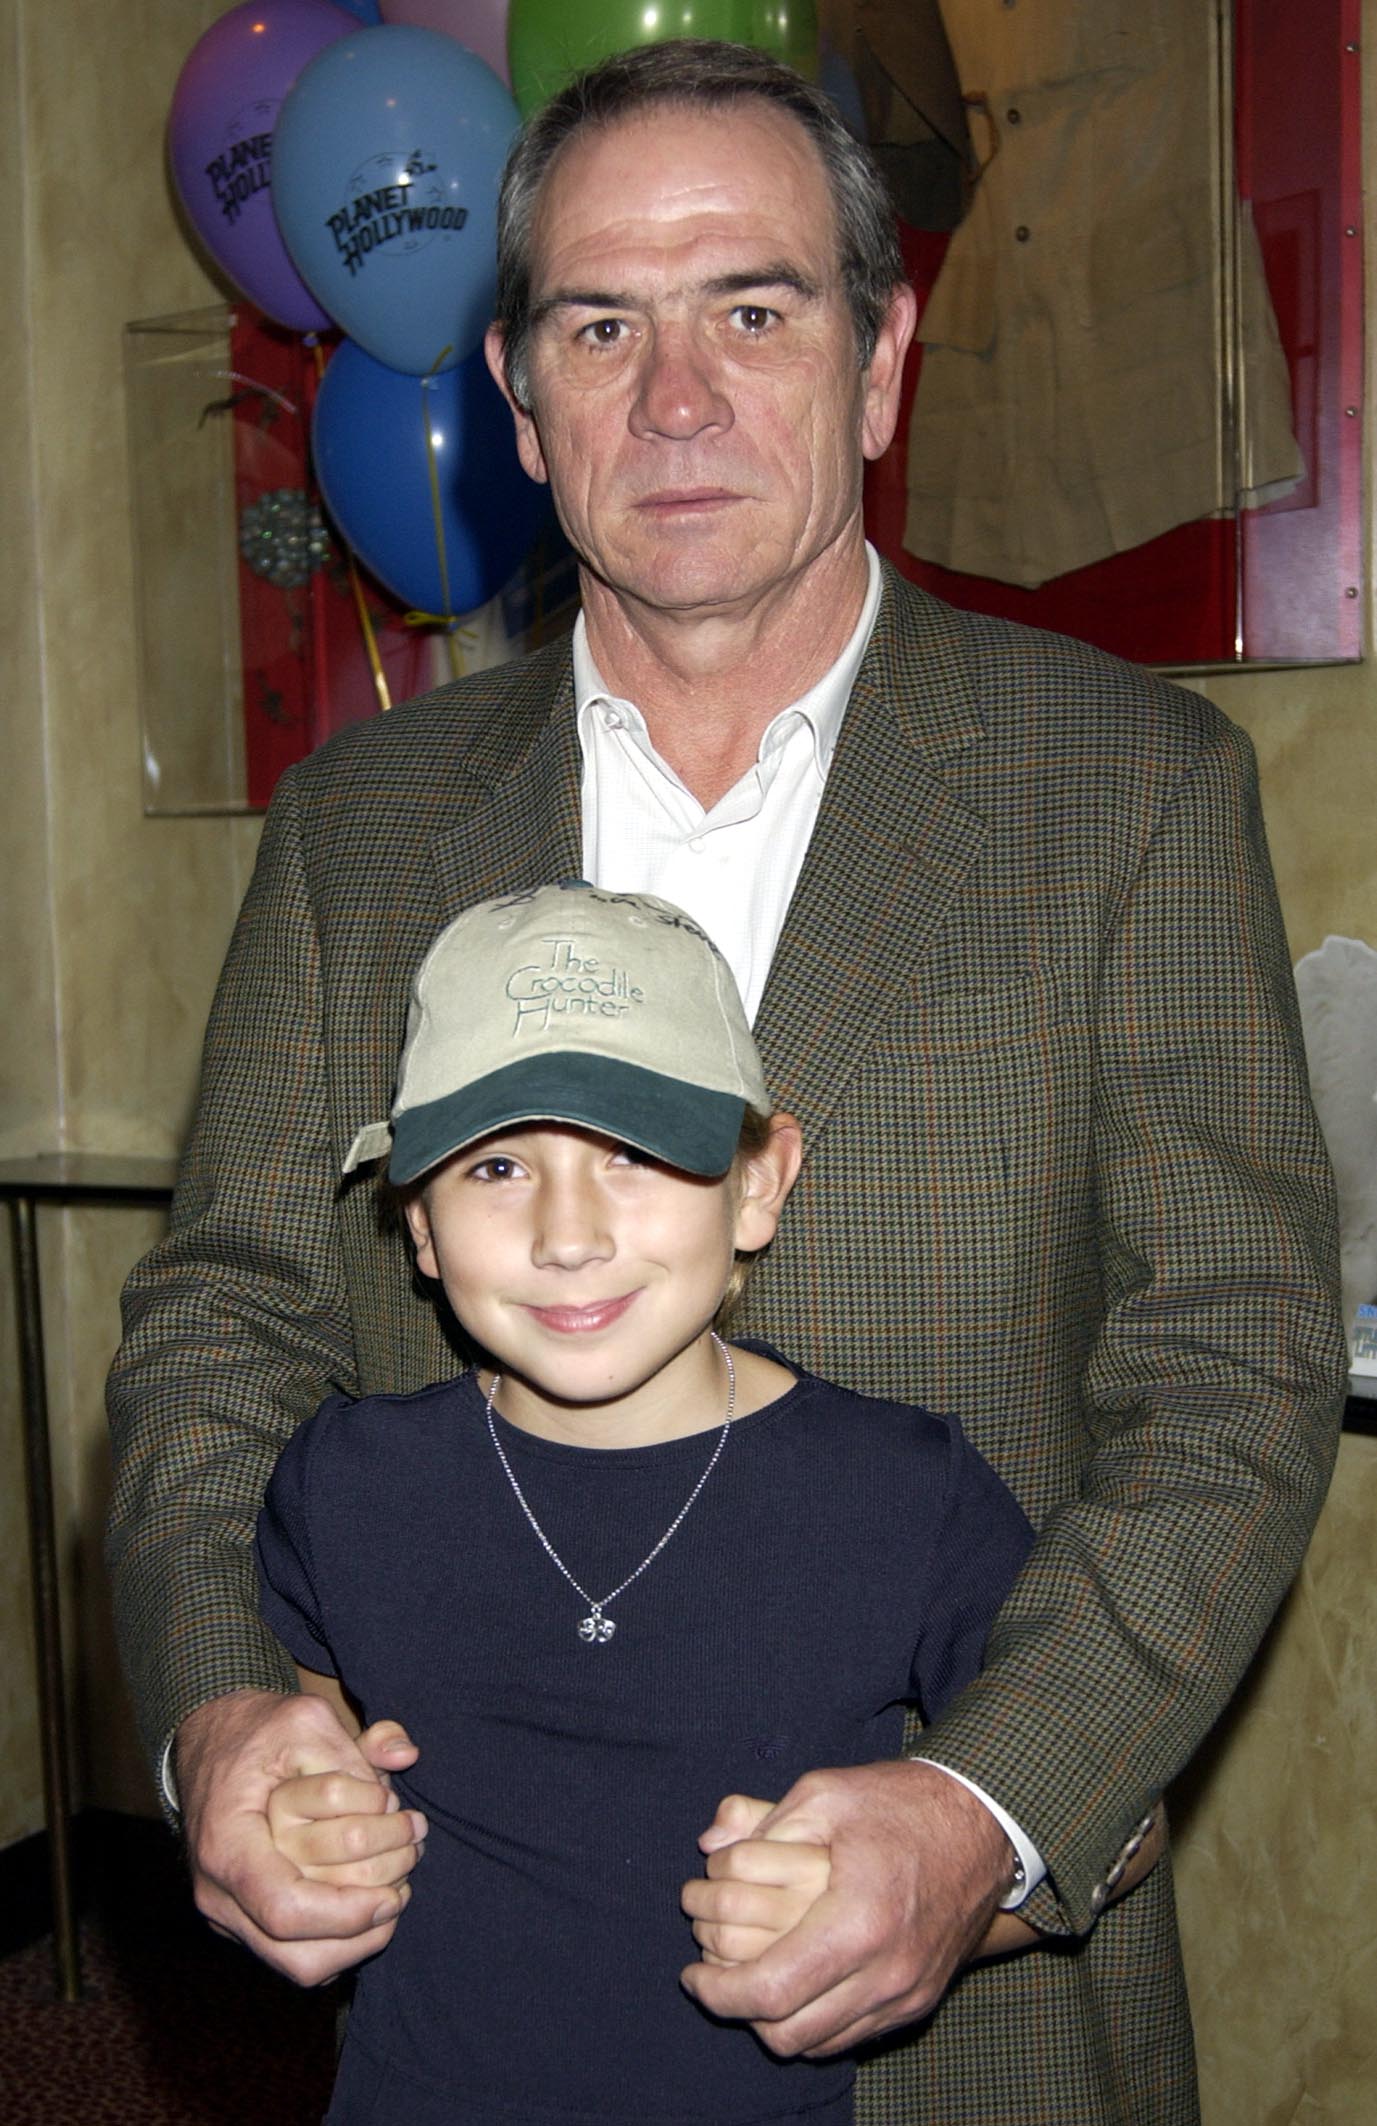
(695, 74)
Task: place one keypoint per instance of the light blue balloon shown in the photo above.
(386, 164)
(372, 461)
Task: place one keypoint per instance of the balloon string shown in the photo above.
(317, 584)
(366, 629)
(451, 627)
(446, 620)
(454, 635)
(369, 637)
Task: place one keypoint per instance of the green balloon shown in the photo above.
(549, 41)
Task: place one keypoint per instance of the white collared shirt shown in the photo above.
(735, 866)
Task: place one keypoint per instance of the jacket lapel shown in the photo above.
(891, 849)
(516, 822)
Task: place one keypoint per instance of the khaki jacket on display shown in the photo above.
(1071, 400)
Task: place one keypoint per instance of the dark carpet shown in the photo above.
(175, 2024)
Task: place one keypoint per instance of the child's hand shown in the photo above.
(755, 1889)
(350, 1832)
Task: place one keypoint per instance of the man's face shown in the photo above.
(697, 404)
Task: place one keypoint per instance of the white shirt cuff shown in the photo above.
(1030, 1867)
(167, 1781)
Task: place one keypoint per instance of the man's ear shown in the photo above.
(527, 435)
(884, 378)
(765, 1180)
(422, 1239)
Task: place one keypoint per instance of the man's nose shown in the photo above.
(571, 1225)
(679, 392)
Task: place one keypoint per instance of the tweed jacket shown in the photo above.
(1032, 1005)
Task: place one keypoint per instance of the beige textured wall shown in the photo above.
(29, 1064)
(116, 926)
(1272, 1830)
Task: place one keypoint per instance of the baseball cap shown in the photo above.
(571, 1003)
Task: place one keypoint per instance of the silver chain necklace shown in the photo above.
(595, 1629)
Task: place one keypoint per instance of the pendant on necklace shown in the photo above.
(597, 1629)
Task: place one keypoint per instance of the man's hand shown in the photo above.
(231, 1755)
(918, 1866)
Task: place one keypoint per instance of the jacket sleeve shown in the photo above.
(1215, 1385)
(236, 1326)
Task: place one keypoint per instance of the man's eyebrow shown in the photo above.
(778, 273)
(581, 299)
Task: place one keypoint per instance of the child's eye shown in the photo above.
(498, 1166)
(633, 1155)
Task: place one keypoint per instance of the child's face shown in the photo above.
(584, 1267)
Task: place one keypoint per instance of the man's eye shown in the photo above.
(754, 317)
(496, 1168)
(633, 1155)
(604, 331)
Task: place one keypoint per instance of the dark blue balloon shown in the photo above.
(367, 11)
(372, 462)
(836, 80)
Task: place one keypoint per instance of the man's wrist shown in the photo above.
(167, 1761)
(1029, 1866)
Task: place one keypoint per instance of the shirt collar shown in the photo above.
(821, 708)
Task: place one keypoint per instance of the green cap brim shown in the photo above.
(685, 1125)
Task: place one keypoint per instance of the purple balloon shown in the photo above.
(219, 137)
(479, 25)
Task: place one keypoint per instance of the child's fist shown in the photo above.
(347, 1831)
(758, 1885)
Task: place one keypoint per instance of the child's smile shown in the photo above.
(583, 1320)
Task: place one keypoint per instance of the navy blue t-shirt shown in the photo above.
(844, 1558)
